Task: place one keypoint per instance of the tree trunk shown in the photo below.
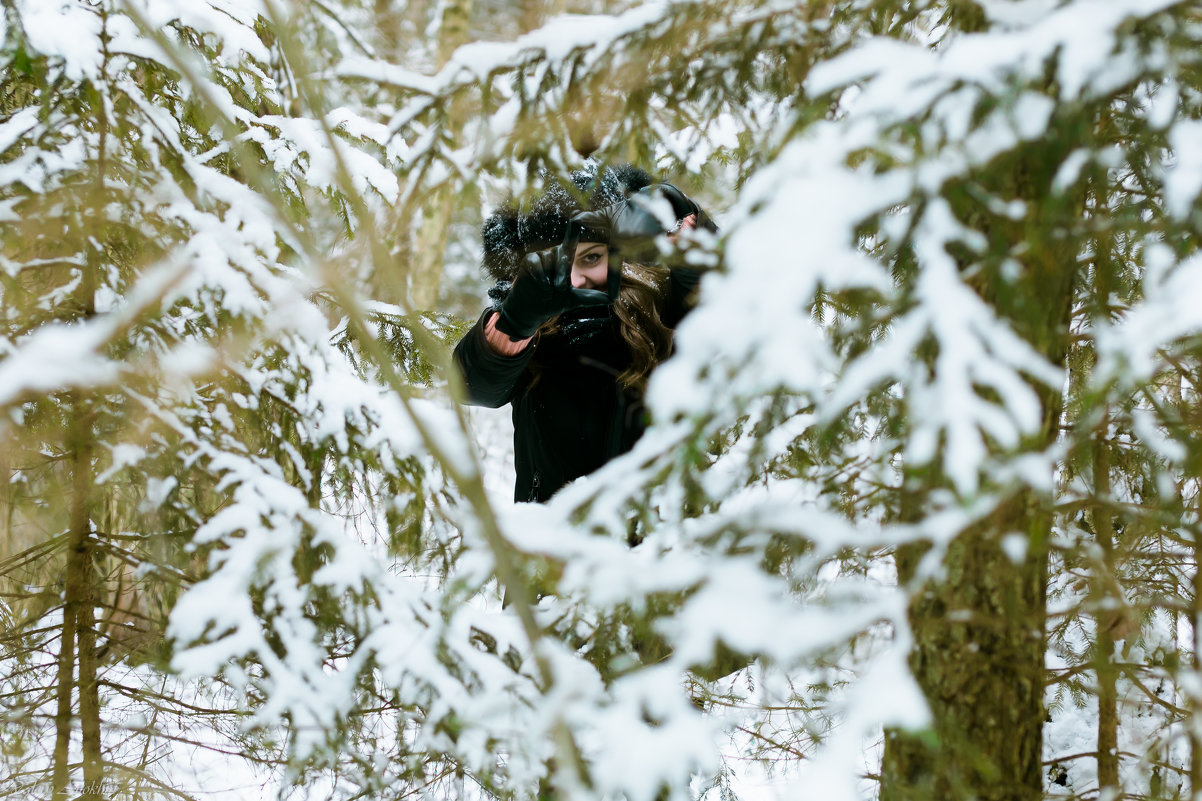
(81, 579)
(426, 266)
(81, 514)
(78, 637)
(453, 28)
(1195, 735)
(65, 681)
(89, 697)
(1105, 619)
(978, 656)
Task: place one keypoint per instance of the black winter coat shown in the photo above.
(570, 414)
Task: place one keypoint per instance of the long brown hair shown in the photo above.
(641, 326)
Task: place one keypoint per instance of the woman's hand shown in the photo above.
(634, 223)
(686, 224)
(544, 290)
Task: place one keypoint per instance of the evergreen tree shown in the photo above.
(930, 430)
(167, 370)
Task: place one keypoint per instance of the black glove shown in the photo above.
(631, 224)
(544, 289)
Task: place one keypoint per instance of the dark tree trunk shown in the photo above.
(89, 698)
(78, 640)
(1108, 721)
(65, 681)
(978, 657)
(1195, 736)
(84, 477)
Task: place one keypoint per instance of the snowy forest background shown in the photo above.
(919, 513)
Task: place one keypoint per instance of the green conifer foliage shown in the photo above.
(917, 516)
(164, 359)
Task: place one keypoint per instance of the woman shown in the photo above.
(574, 332)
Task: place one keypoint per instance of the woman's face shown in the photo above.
(590, 269)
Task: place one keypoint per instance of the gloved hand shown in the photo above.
(633, 224)
(544, 289)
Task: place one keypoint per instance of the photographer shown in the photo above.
(578, 323)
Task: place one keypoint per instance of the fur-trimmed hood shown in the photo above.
(514, 229)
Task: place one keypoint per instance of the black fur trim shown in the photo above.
(514, 230)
